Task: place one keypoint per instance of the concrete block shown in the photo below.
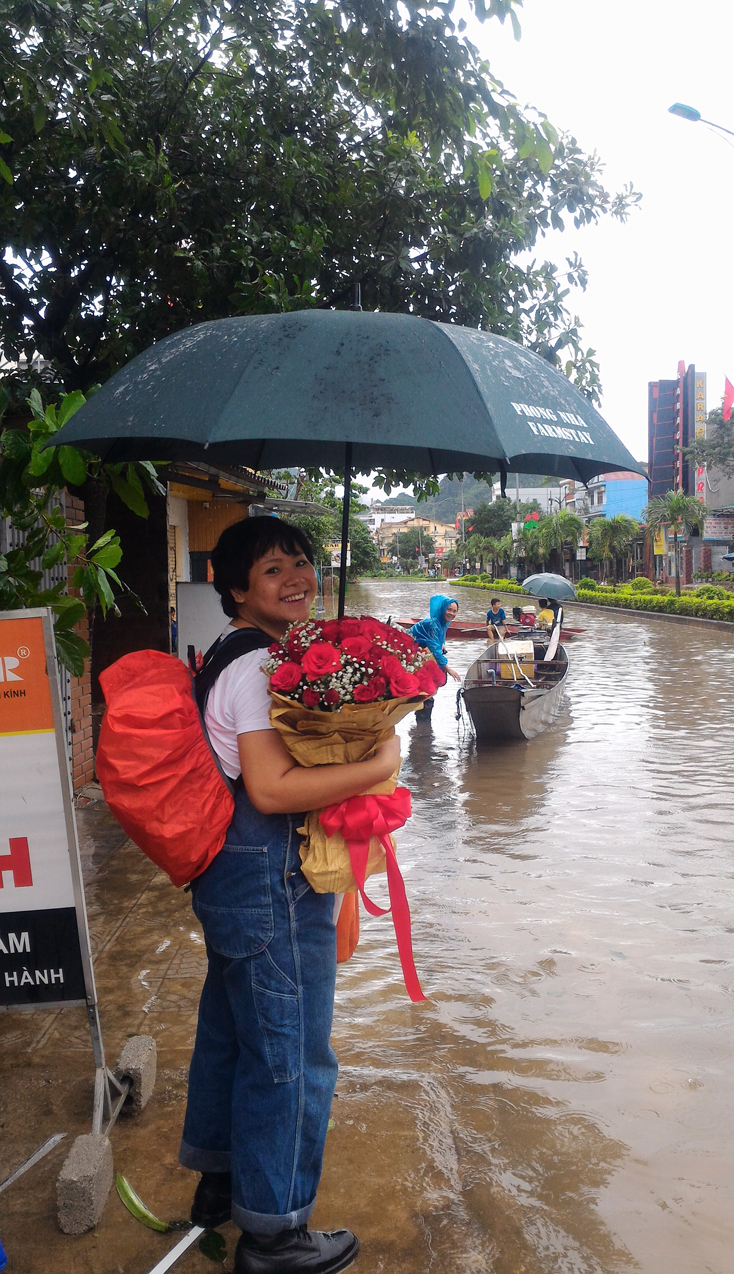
(84, 1183)
(137, 1061)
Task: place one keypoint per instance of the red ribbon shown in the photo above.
(358, 819)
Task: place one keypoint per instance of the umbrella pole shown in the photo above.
(345, 529)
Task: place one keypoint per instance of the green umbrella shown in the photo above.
(347, 389)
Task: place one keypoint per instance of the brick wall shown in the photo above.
(82, 756)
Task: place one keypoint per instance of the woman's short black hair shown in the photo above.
(246, 542)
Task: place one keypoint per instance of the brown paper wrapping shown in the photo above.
(353, 733)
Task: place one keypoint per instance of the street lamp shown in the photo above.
(693, 116)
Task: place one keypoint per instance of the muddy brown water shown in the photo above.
(561, 1104)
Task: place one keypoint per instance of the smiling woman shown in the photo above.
(263, 1073)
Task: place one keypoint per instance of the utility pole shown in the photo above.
(517, 497)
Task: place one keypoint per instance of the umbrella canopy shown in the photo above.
(278, 390)
(546, 584)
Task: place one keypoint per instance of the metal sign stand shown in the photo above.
(45, 954)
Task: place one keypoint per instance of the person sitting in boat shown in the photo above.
(431, 633)
(496, 617)
(547, 615)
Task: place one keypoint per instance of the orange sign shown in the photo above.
(25, 695)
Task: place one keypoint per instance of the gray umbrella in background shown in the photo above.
(349, 391)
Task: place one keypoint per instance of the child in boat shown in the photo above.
(547, 616)
(496, 620)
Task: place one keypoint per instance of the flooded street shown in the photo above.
(562, 1102)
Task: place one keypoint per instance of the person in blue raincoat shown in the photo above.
(431, 632)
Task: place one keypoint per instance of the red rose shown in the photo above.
(401, 641)
(374, 689)
(403, 683)
(350, 627)
(373, 629)
(276, 650)
(286, 677)
(332, 697)
(320, 659)
(294, 649)
(311, 697)
(390, 665)
(331, 630)
(357, 647)
(376, 654)
(427, 680)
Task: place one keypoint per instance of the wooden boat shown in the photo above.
(511, 698)
(465, 630)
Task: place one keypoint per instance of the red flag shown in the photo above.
(728, 398)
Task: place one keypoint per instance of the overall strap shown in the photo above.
(222, 654)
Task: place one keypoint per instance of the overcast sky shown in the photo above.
(660, 286)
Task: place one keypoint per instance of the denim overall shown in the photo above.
(263, 1071)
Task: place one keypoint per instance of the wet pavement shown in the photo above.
(561, 1104)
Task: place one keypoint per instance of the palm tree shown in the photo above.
(682, 512)
(623, 531)
(560, 530)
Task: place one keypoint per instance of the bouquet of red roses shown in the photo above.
(338, 689)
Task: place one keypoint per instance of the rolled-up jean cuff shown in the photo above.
(266, 1224)
(204, 1160)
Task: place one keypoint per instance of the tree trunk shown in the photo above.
(677, 563)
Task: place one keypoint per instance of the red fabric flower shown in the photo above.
(374, 689)
(332, 697)
(311, 697)
(331, 630)
(321, 658)
(357, 647)
(286, 677)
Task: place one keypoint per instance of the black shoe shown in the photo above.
(301, 1251)
(212, 1204)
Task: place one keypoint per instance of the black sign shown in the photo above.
(40, 958)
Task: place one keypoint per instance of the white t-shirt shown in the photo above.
(238, 703)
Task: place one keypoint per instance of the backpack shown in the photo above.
(155, 763)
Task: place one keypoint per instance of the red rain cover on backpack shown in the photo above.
(156, 768)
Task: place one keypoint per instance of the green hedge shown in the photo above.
(625, 599)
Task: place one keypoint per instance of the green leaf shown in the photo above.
(5, 138)
(106, 596)
(516, 28)
(69, 404)
(484, 181)
(40, 460)
(103, 539)
(70, 615)
(5, 172)
(137, 1208)
(544, 156)
(129, 495)
(72, 651)
(54, 554)
(73, 465)
(74, 546)
(39, 116)
(35, 403)
(108, 556)
(4, 400)
(213, 1245)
